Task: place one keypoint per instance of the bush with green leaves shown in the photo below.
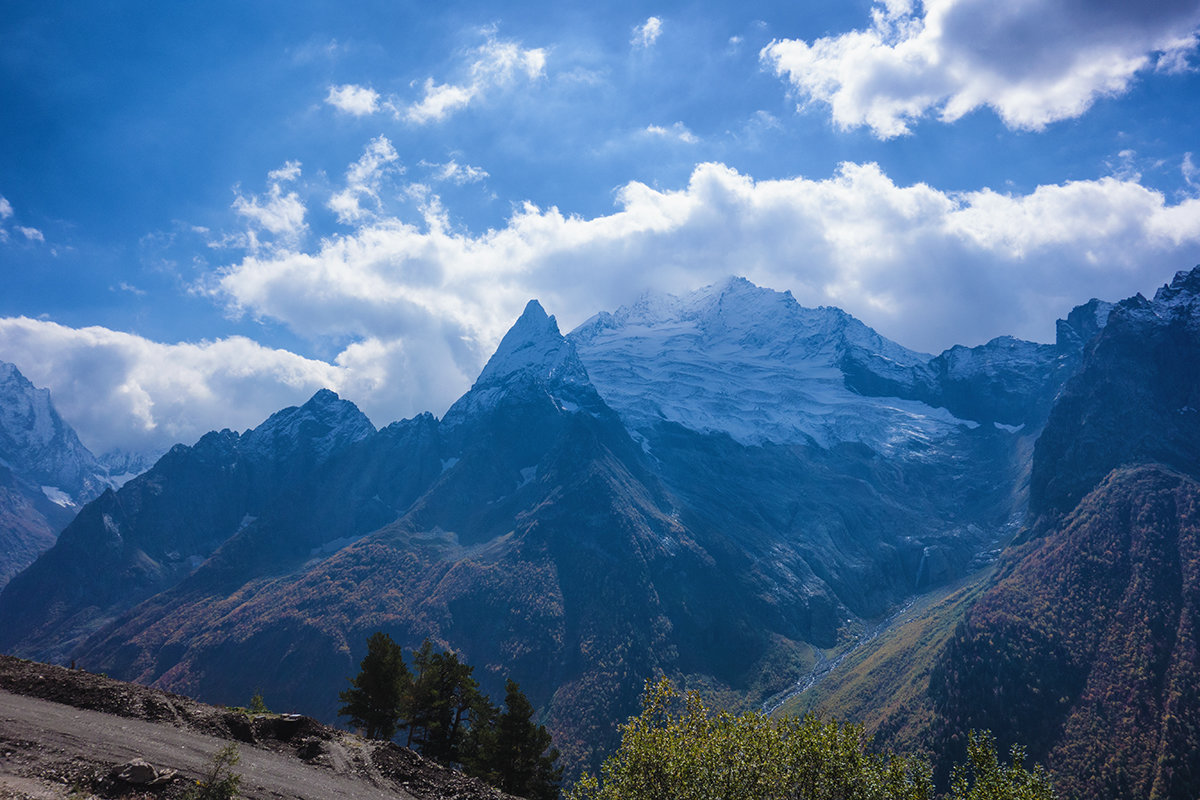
(677, 750)
(219, 781)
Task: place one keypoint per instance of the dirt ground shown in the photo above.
(66, 734)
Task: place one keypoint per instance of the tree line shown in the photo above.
(436, 708)
(676, 749)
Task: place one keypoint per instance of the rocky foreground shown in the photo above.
(68, 733)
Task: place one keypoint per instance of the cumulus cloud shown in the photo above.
(32, 234)
(363, 180)
(925, 267)
(359, 101)
(6, 209)
(493, 66)
(1032, 62)
(646, 34)
(413, 310)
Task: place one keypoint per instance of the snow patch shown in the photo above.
(58, 496)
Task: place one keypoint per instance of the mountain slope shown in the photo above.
(535, 551)
(1087, 650)
(1136, 398)
(155, 530)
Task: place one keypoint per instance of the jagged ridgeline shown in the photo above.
(725, 487)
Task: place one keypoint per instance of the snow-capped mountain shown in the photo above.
(322, 426)
(37, 444)
(46, 473)
(532, 357)
(753, 363)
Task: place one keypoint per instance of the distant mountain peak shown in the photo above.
(750, 362)
(325, 424)
(533, 346)
(533, 355)
(39, 445)
(1184, 289)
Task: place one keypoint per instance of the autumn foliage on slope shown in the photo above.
(1086, 646)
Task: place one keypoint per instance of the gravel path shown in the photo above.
(59, 733)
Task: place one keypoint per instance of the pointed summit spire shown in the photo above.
(532, 355)
(533, 345)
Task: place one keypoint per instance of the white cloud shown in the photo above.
(494, 65)
(646, 34)
(458, 174)
(126, 286)
(277, 213)
(1191, 173)
(927, 268)
(678, 131)
(6, 213)
(120, 390)
(1033, 62)
(360, 101)
(363, 180)
(288, 172)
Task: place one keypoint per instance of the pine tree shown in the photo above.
(513, 753)
(443, 701)
(376, 697)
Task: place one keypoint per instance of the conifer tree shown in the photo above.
(376, 698)
(513, 753)
(443, 701)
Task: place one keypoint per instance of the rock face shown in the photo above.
(709, 486)
(36, 443)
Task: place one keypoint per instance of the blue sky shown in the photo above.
(211, 210)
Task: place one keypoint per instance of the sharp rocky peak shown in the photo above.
(534, 348)
(533, 360)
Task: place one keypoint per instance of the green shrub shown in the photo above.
(677, 750)
(219, 781)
